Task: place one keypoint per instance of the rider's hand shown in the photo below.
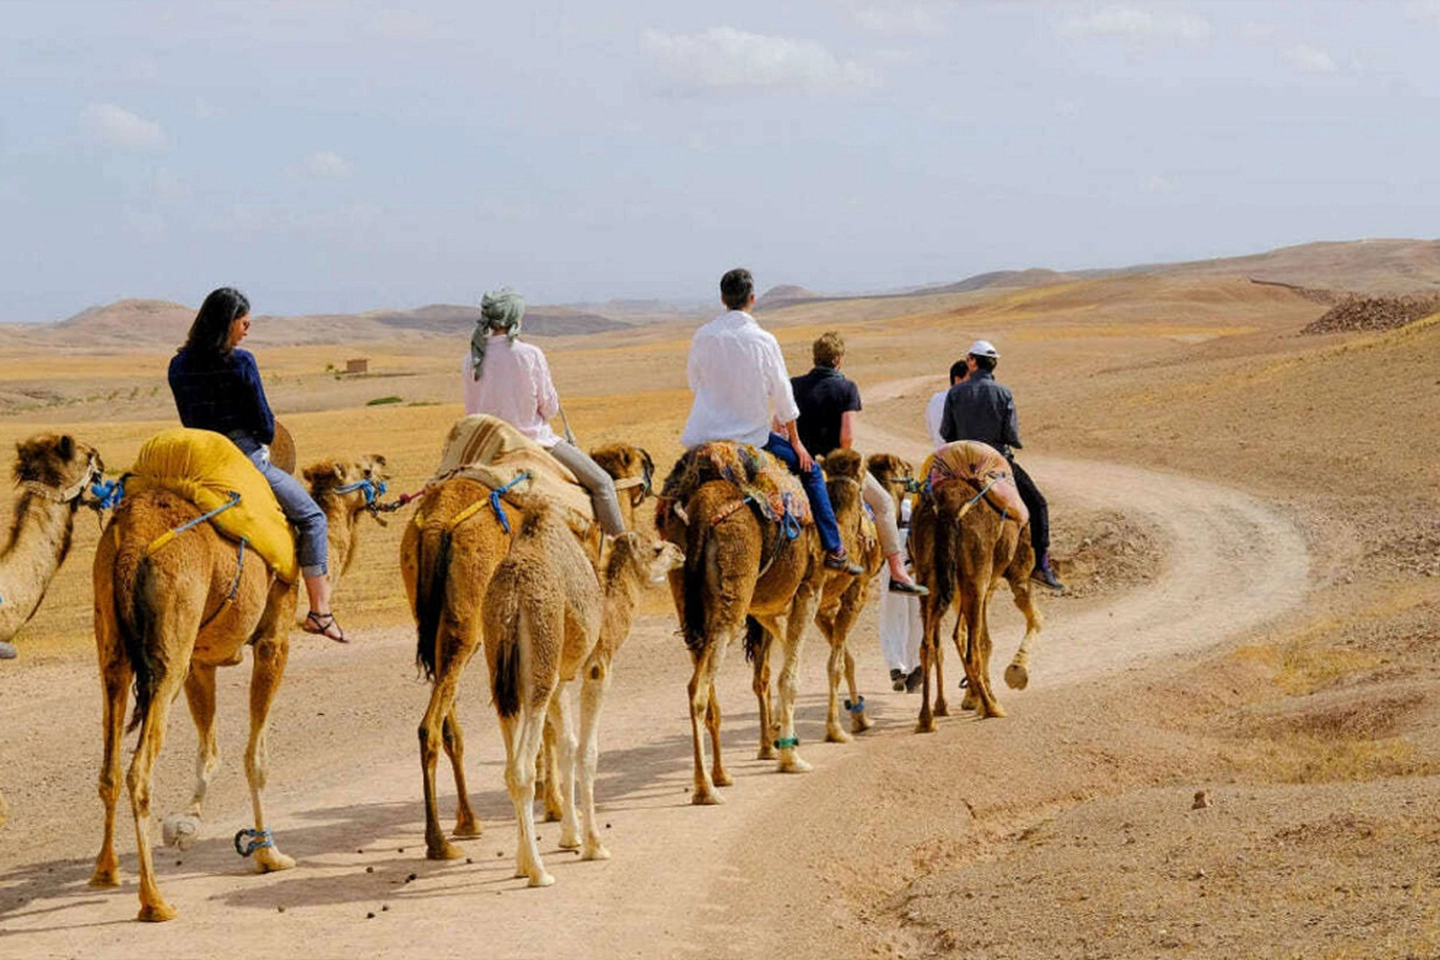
(807, 462)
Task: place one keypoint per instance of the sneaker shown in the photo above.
(1043, 574)
(897, 679)
(839, 561)
(8, 652)
(913, 680)
(909, 588)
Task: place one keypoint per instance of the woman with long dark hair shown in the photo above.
(217, 387)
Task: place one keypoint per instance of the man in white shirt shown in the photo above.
(740, 382)
(935, 409)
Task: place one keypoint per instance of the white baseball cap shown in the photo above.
(983, 348)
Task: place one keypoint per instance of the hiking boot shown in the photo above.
(897, 679)
(913, 680)
(1043, 574)
(839, 561)
(909, 588)
(8, 652)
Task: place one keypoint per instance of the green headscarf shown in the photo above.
(501, 312)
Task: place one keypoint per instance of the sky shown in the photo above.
(346, 156)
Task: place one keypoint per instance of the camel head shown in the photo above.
(897, 476)
(358, 483)
(648, 561)
(844, 463)
(625, 462)
(57, 466)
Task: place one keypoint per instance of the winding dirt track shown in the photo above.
(345, 793)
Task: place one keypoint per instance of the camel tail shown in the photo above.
(136, 622)
(505, 683)
(946, 562)
(697, 535)
(430, 584)
(754, 639)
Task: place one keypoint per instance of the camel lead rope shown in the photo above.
(858, 706)
(787, 743)
(254, 840)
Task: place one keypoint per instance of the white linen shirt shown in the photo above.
(740, 382)
(515, 386)
(934, 413)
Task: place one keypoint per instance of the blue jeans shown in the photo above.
(311, 527)
(815, 492)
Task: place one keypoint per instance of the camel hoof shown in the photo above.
(766, 752)
(722, 778)
(180, 830)
(444, 851)
(706, 798)
(271, 861)
(553, 816)
(793, 764)
(860, 722)
(1017, 677)
(595, 852)
(836, 735)
(942, 709)
(105, 878)
(994, 713)
(156, 913)
(470, 831)
(925, 726)
(541, 879)
(569, 843)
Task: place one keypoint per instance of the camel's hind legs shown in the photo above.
(153, 907)
(802, 609)
(467, 825)
(272, 651)
(596, 680)
(441, 706)
(1017, 674)
(701, 690)
(522, 735)
(565, 747)
(115, 678)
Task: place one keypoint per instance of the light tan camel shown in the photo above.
(841, 600)
(53, 470)
(739, 566)
(170, 618)
(962, 547)
(446, 560)
(549, 618)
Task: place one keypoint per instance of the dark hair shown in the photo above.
(984, 363)
(210, 333)
(959, 370)
(736, 288)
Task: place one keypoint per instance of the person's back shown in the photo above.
(220, 392)
(824, 396)
(516, 387)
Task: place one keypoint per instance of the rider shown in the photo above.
(740, 382)
(979, 408)
(217, 387)
(509, 379)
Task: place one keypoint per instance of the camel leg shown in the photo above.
(859, 717)
(272, 650)
(200, 694)
(802, 608)
(761, 685)
(977, 650)
(925, 723)
(592, 696)
(565, 748)
(442, 702)
(1017, 674)
(523, 734)
(702, 695)
(718, 774)
(961, 637)
(834, 672)
(467, 825)
(153, 907)
(115, 677)
(546, 783)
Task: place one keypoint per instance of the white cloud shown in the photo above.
(1140, 23)
(1156, 184)
(1424, 11)
(119, 129)
(1308, 59)
(326, 163)
(723, 58)
(914, 19)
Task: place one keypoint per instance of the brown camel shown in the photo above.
(168, 618)
(739, 566)
(963, 545)
(548, 618)
(447, 557)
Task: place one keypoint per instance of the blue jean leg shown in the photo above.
(815, 492)
(312, 544)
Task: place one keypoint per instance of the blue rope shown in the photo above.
(108, 493)
(498, 492)
(234, 501)
(787, 743)
(256, 840)
(371, 488)
(789, 523)
(858, 706)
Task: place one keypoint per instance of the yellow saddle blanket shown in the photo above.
(489, 450)
(984, 469)
(766, 481)
(205, 468)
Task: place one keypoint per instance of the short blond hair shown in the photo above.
(828, 349)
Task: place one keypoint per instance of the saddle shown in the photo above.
(208, 470)
(762, 481)
(489, 450)
(983, 469)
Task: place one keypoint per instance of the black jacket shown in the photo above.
(978, 408)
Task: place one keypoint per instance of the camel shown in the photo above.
(739, 566)
(841, 600)
(963, 545)
(166, 618)
(53, 471)
(548, 618)
(447, 557)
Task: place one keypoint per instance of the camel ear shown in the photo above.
(67, 446)
(329, 469)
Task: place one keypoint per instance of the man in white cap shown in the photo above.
(980, 409)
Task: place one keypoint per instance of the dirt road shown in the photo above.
(345, 794)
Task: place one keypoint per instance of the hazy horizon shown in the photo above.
(341, 157)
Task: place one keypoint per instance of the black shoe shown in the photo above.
(897, 679)
(8, 652)
(1046, 576)
(839, 561)
(914, 680)
(909, 589)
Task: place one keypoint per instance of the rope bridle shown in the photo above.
(65, 494)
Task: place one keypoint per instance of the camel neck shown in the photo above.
(38, 543)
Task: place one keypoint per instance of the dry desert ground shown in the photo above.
(1246, 517)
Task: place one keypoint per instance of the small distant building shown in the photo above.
(358, 365)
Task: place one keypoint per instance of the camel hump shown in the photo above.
(206, 469)
(764, 480)
(982, 468)
(492, 452)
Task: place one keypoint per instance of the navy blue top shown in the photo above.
(823, 395)
(223, 394)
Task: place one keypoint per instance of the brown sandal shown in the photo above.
(322, 624)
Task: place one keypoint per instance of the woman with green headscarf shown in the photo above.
(507, 378)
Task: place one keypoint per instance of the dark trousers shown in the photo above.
(1039, 511)
(814, 484)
